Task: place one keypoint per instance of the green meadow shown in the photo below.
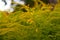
(34, 23)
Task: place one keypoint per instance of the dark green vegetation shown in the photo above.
(35, 24)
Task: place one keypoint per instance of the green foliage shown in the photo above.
(35, 24)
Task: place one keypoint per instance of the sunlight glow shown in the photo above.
(8, 6)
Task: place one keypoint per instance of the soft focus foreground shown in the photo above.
(31, 23)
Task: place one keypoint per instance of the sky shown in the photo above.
(8, 6)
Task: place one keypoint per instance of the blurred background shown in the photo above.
(35, 20)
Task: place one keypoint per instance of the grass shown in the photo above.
(35, 24)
